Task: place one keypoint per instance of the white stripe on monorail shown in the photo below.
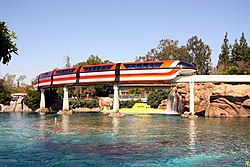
(43, 79)
(97, 80)
(97, 73)
(156, 78)
(64, 76)
(145, 71)
(64, 82)
(45, 83)
(213, 78)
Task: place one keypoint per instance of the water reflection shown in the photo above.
(65, 123)
(115, 123)
(42, 123)
(138, 140)
(192, 135)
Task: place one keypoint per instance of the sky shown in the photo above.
(115, 30)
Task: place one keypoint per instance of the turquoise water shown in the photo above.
(99, 140)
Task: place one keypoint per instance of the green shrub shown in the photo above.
(5, 94)
(32, 99)
(129, 104)
(75, 103)
(156, 96)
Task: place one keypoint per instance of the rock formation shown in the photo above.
(16, 105)
(105, 103)
(217, 100)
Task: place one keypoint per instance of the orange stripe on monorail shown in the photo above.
(167, 63)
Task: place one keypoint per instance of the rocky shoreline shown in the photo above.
(211, 100)
(217, 100)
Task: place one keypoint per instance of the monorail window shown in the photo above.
(65, 71)
(143, 65)
(97, 68)
(47, 74)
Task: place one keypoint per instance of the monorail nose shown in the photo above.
(185, 65)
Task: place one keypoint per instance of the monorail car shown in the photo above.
(128, 72)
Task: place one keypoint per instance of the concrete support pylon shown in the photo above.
(116, 98)
(42, 100)
(191, 98)
(65, 99)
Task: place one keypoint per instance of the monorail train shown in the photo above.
(128, 72)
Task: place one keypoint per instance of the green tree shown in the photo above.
(93, 60)
(7, 46)
(201, 55)
(240, 57)
(243, 49)
(9, 80)
(234, 52)
(151, 55)
(224, 57)
(101, 90)
(156, 96)
(5, 94)
(32, 99)
(167, 49)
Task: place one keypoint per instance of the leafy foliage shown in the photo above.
(167, 49)
(201, 55)
(156, 96)
(93, 60)
(32, 99)
(75, 103)
(129, 103)
(7, 46)
(5, 94)
(195, 52)
(53, 99)
(102, 90)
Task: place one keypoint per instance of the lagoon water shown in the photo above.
(98, 140)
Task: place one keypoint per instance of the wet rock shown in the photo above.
(65, 112)
(116, 114)
(189, 115)
(163, 104)
(105, 102)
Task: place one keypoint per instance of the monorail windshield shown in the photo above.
(185, 64)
